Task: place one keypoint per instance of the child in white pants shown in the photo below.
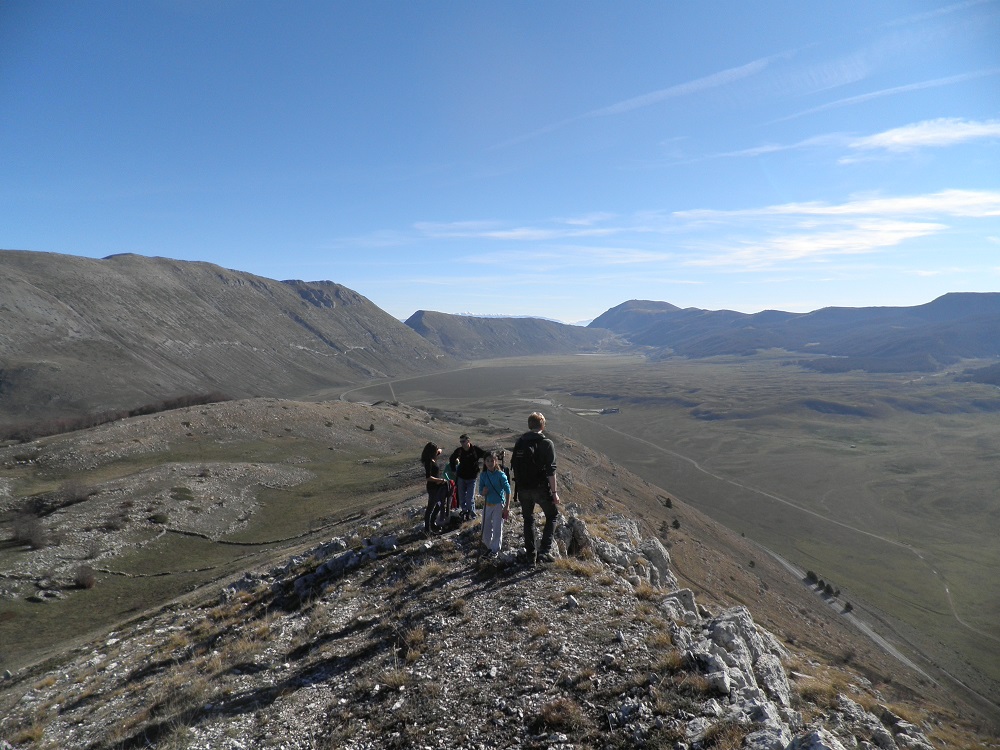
(495, 489)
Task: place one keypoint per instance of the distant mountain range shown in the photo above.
(81, 336)
(834, 339)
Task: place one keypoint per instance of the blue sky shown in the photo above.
(546, 158)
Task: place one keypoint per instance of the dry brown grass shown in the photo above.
(563, 714)
(727, 735)
(396, 678)
(32, 734)
(647, 592)
(660, 640)
(578, 567)
(45, 682)
(426, 573)
(538, 630)
(822, 689)
(415, 637)
(526, 616)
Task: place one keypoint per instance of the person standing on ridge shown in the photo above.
(534, 467)
(468, 457)
(437, 487)
(495, 489)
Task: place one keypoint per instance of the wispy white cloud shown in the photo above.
(818, 141)
(493, 231)
(945, 131)
(722, 78)
(938, 12)
(695, 86)
(818, 232)
(970, 203)
(930, 273)
(782, 238)
(381, 238)
(588, 219)
(894, 91)
(617, 255)
(855, 238)
(575, 257)
(445, 229)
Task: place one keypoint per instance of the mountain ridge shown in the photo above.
(470, 337)
(84, 335)
(955, 326)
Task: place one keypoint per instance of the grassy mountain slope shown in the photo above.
(82, 335)
(468, 337)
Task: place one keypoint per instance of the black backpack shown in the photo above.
(526, 462)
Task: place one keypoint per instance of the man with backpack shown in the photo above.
(534, 467)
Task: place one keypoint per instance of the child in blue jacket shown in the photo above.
(495, 489)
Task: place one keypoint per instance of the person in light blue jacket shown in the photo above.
(495, 489)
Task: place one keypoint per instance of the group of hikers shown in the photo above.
(533, 463)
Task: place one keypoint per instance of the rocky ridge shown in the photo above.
(382, 638)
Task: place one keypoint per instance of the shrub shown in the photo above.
(74, 491)
(28, 529)
(181, 494)
(85, 577)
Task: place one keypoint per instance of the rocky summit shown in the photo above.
(383, 637)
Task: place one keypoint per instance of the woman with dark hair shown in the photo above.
(437, 486)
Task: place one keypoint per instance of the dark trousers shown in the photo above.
(528, 499)
(438, 492)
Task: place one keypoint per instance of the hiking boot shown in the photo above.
(526, 558)
(545, 557)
